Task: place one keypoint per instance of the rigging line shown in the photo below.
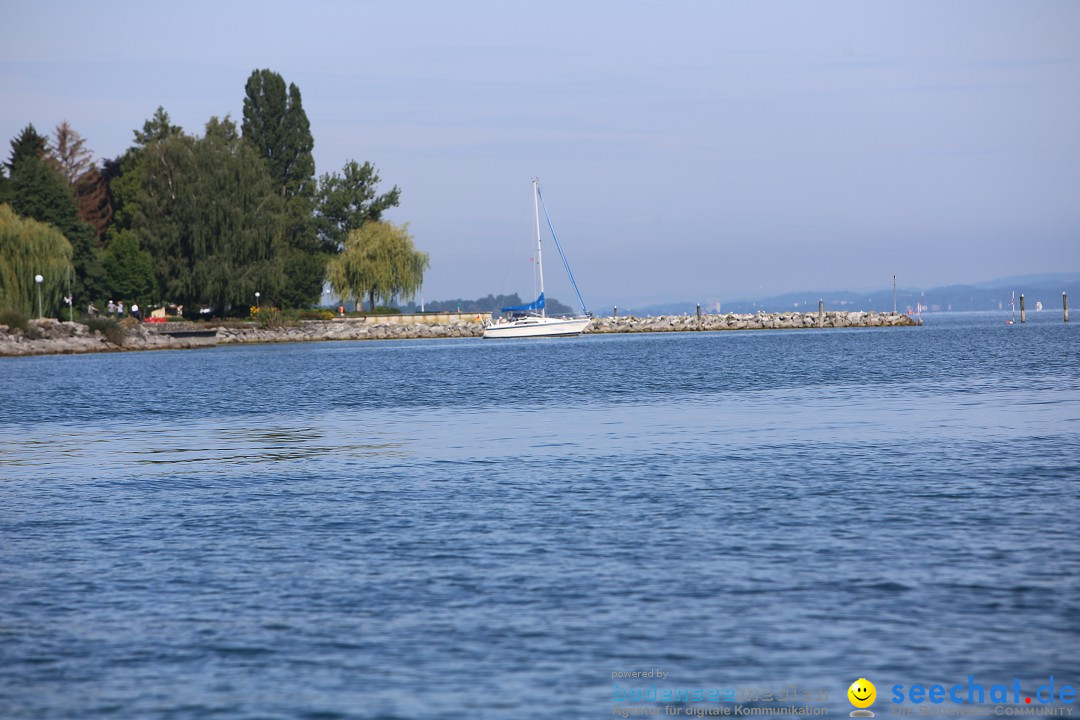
(562, 255)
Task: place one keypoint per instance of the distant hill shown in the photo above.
(485, 305)
(990, 295)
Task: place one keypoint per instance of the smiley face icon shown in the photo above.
(862, 694)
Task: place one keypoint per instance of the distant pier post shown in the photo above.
(1065, 305)
(1023, 313)
(699, 316)
(893, 294)
(615, 311)
(821, 313)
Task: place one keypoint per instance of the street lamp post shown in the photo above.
(257, 296)
(39, 279)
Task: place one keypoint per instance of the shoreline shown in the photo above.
(53, 337)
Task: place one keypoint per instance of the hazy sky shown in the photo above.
(687, 150)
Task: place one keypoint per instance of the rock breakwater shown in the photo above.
(758, 321)
(49, 337)
(52, 337)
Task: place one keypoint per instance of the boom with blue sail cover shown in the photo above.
(537, 304)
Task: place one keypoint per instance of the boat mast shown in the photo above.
(539, 263)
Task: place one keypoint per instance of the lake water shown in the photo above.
(471, 529)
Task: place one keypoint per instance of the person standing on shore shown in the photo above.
(110, 309)
(135, 312)
(120, 309)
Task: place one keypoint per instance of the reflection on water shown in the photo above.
(117, 449)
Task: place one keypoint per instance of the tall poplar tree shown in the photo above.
(276, 125)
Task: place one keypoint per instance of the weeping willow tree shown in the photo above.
(208, 215)
(380, 262)
(29, 248)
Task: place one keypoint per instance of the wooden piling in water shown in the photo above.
(1065, 305)
(1023, 313)
(615, 311)
(821, 313)
(699, 316)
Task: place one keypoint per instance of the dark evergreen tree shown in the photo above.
(39, 192)
(29, 144)
(158, 127)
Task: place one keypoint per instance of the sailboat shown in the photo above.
(531, 320)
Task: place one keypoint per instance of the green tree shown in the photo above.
(158, 127)
(129, 271)
(277, 126)
(29, 248)
(28, 144)
(39, 192)
(349, 200)
(208, 213)
(123, 181)
(123, 176)
(379, 261)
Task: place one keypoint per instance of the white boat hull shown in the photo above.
(535, 326)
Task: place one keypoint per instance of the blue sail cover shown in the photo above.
(537, 304)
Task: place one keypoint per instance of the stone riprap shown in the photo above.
(356, 329)
(48, 337)
(52, 337)
(758, 321)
